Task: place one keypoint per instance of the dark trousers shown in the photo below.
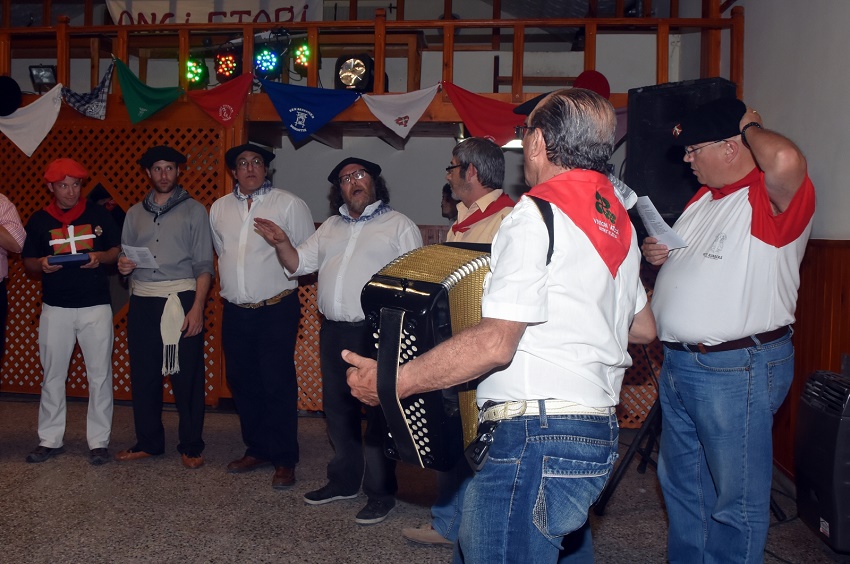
(259, 355)
(357, 457)
(145, 345)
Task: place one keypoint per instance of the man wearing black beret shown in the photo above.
(724, 307)
(165, 323)
(348, 248)
(261, 312)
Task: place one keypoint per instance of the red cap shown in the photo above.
(595, 81)
(60, 168)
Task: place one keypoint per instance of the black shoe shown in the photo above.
(98, 456)
(374, 512)
(327, 494)
(42, 453)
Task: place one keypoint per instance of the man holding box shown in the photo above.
(66, 243)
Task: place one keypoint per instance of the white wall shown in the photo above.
(797, 74)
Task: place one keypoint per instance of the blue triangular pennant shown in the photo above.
(303, 109)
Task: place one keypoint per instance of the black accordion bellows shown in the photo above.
(413, 304)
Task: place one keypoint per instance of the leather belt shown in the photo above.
(512, 409)
(271, 301)
(743, 343)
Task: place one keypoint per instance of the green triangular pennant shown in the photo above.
(142, 100)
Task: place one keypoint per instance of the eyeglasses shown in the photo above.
(694, 151)
(520, 131)
(450, 167)
(356, 175)
(256, 162)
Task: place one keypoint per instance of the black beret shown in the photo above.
(161, 153)
(370, 167)
(10, 96)
(232, 154)
(712, 121)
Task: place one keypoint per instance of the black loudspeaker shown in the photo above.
(654, 166)
(822, 458)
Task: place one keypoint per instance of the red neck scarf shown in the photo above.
(66, 217)
(589, 200)
(751, 178)
(497, 205)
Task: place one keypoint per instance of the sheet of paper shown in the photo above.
(656, 226)
(142, 256)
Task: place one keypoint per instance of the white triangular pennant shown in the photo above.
(400, 112)
(28, 126)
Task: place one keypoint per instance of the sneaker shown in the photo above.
(374, 512)
(98, 456)
(426, 534)
(42, 453)
(326, 494)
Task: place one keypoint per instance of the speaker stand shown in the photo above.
(649, 431)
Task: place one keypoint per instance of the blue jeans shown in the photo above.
(542, 475)
(447, 509)
(716, 456)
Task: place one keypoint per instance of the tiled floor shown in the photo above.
(154, 510)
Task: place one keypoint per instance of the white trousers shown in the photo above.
(59, 328)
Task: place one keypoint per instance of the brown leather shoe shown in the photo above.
(246, 464)
(130, 454)
(192, 462)
(284, 478)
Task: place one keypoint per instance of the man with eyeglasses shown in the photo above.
(347, 250)
(165, 321)
(724, 306)
(475, 175)
(552, 342)
(66, 244)
(261, 312)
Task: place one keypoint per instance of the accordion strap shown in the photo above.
(549, 219)
(389, 350)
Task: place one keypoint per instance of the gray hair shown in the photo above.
(486, 156)
(578, 127)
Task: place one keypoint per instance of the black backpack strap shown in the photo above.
(549, 219)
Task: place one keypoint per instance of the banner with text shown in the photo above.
(140, 12)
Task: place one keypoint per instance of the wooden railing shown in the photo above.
(120, 41)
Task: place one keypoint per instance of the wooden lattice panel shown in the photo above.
(307, 363)
(640, 385)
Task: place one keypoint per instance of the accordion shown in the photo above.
(413, 304)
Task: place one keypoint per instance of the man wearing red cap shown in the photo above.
(66, 243)
(725, 305)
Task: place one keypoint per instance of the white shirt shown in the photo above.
(578, 315)
(348, 253)
(482, 231)
(740, 272)
(249, 270)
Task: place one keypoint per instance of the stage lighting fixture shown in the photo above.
(43, 77)
(197, 73)
(266, 62)
(354, 72)
(303, 57)
(228, 64)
